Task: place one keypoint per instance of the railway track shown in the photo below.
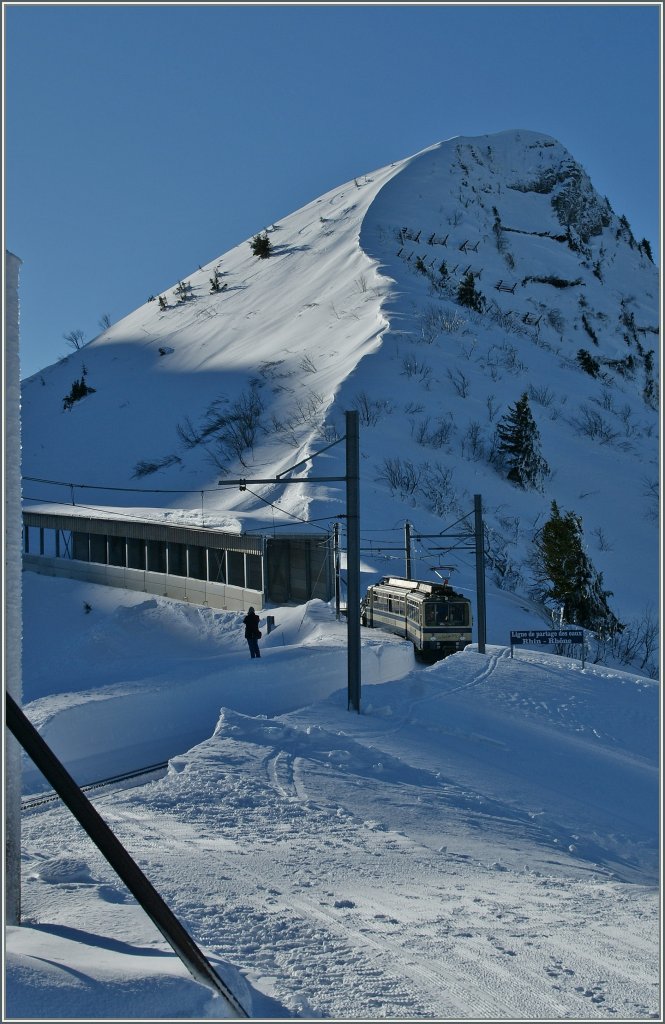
(30, 803)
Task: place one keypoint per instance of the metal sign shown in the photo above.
(545, 636)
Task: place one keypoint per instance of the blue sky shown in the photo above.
(144, 140)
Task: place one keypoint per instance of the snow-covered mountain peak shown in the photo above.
(246, 365)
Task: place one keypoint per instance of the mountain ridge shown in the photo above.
(352, 310)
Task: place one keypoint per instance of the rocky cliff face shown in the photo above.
(548, 254)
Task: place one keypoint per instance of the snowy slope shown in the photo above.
(341, 317)
(481, 842)
(272, 317)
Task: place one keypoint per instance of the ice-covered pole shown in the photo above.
(12, 618)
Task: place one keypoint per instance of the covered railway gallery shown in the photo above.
(193, 564)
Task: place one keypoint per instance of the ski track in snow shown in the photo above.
(391, 928)
(388, 864)
(263, 848)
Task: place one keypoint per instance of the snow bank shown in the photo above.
(480, 841)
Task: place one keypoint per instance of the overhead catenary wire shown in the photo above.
(375, 548)
(142, 490)
(145, 519)
(272, 505)
(106, 487)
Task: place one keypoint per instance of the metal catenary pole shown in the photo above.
(353, 558)
(407, 550)
(352, 481)
(480, 571)
(478, 546)
(337, 569)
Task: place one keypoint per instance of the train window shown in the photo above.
(430, 615)
(458, 615)
(441, 613)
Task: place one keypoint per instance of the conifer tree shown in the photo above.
(563, 568)
(467, 294)
(183, 291)
(587, 362)
(518, 444)
(79, 389)
(261, 245)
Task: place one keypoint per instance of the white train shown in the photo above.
(433, 616)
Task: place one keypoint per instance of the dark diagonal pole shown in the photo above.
(109, 845)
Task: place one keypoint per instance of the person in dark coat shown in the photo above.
(252, 633)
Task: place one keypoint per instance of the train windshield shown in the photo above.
(446, 613)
